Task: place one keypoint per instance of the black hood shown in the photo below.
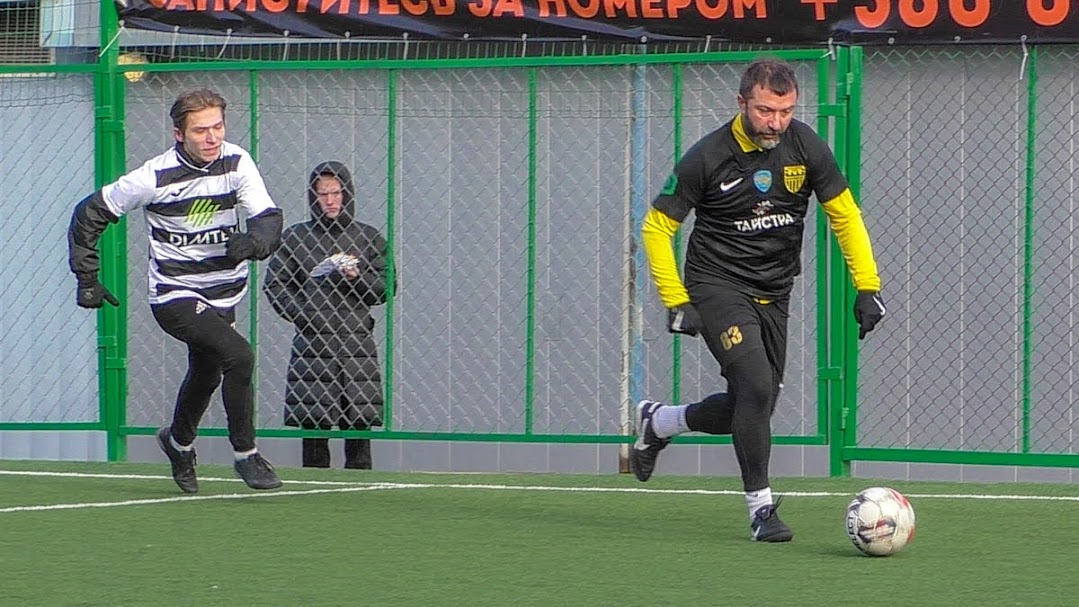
(338, 170)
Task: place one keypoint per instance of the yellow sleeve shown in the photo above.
(656, 233)
(846, 221)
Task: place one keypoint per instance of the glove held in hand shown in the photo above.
(684, 319)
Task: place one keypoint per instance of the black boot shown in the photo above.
(358, 453)
(316, 453)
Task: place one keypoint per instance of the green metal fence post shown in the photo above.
(1028, 242)
(253, 267)
(391, 243)
(844, 316)
(108, 165)
(834, 293)
(676, 340)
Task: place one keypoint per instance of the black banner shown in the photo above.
(799, 22)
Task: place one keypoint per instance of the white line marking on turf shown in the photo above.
(154, 477)
(187, 498)
(1051, 498)
(351, 487)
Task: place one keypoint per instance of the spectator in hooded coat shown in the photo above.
(324, 279)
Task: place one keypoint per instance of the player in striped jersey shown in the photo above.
(748, 184)
(192, 196)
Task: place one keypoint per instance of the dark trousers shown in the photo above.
(316, 451)
(216, 356)
(749, 341)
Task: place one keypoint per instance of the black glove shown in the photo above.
(91, 292)
(868, 310)
(239, 247)
(684, 319)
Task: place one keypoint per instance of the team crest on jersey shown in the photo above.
(763, 180)
(794, 177)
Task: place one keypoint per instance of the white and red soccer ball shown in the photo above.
(880, 521)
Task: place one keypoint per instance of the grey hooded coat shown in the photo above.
(333, 372)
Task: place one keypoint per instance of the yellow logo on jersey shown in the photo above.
(202, 211)
(731, 337)
(794, 177)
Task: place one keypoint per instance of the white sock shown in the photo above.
(178, 446)
(242, 455)
(758, 499)
(669, 420)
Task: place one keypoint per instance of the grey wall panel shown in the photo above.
(1055, 357)
(580, 242)
(944, 152)
(62, 445)
(462, 229)
(48, 347)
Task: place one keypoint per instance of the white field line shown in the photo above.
(351, 487)
(185, 498)
(155, 477)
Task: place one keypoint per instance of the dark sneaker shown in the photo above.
(767, 527)
(183, 462)
(643, 453)
(257, 472)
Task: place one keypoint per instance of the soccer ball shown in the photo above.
(880, 521)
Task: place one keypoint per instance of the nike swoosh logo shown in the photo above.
(642, 430)
(639, 444)
(728, 185)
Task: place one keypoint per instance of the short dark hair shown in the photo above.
(772, 74)
(193, 101)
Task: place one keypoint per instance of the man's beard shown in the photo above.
(755, 135)
(768, 144)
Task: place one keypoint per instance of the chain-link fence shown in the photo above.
(48, 142)
(510, 212)
(503, 190)
(970, 190)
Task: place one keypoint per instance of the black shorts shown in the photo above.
(198, 324)
(737, 325)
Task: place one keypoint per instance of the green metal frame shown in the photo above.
(391, 243)
(110, 164)
(846, 451)
(392, 68)
(110, 158)
(679, 251)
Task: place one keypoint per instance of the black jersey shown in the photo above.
(750, 206)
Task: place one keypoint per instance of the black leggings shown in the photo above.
(215, 352)
(749, 341)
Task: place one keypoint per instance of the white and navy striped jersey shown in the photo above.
(190, 212)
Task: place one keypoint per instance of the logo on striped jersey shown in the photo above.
(202, 212)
